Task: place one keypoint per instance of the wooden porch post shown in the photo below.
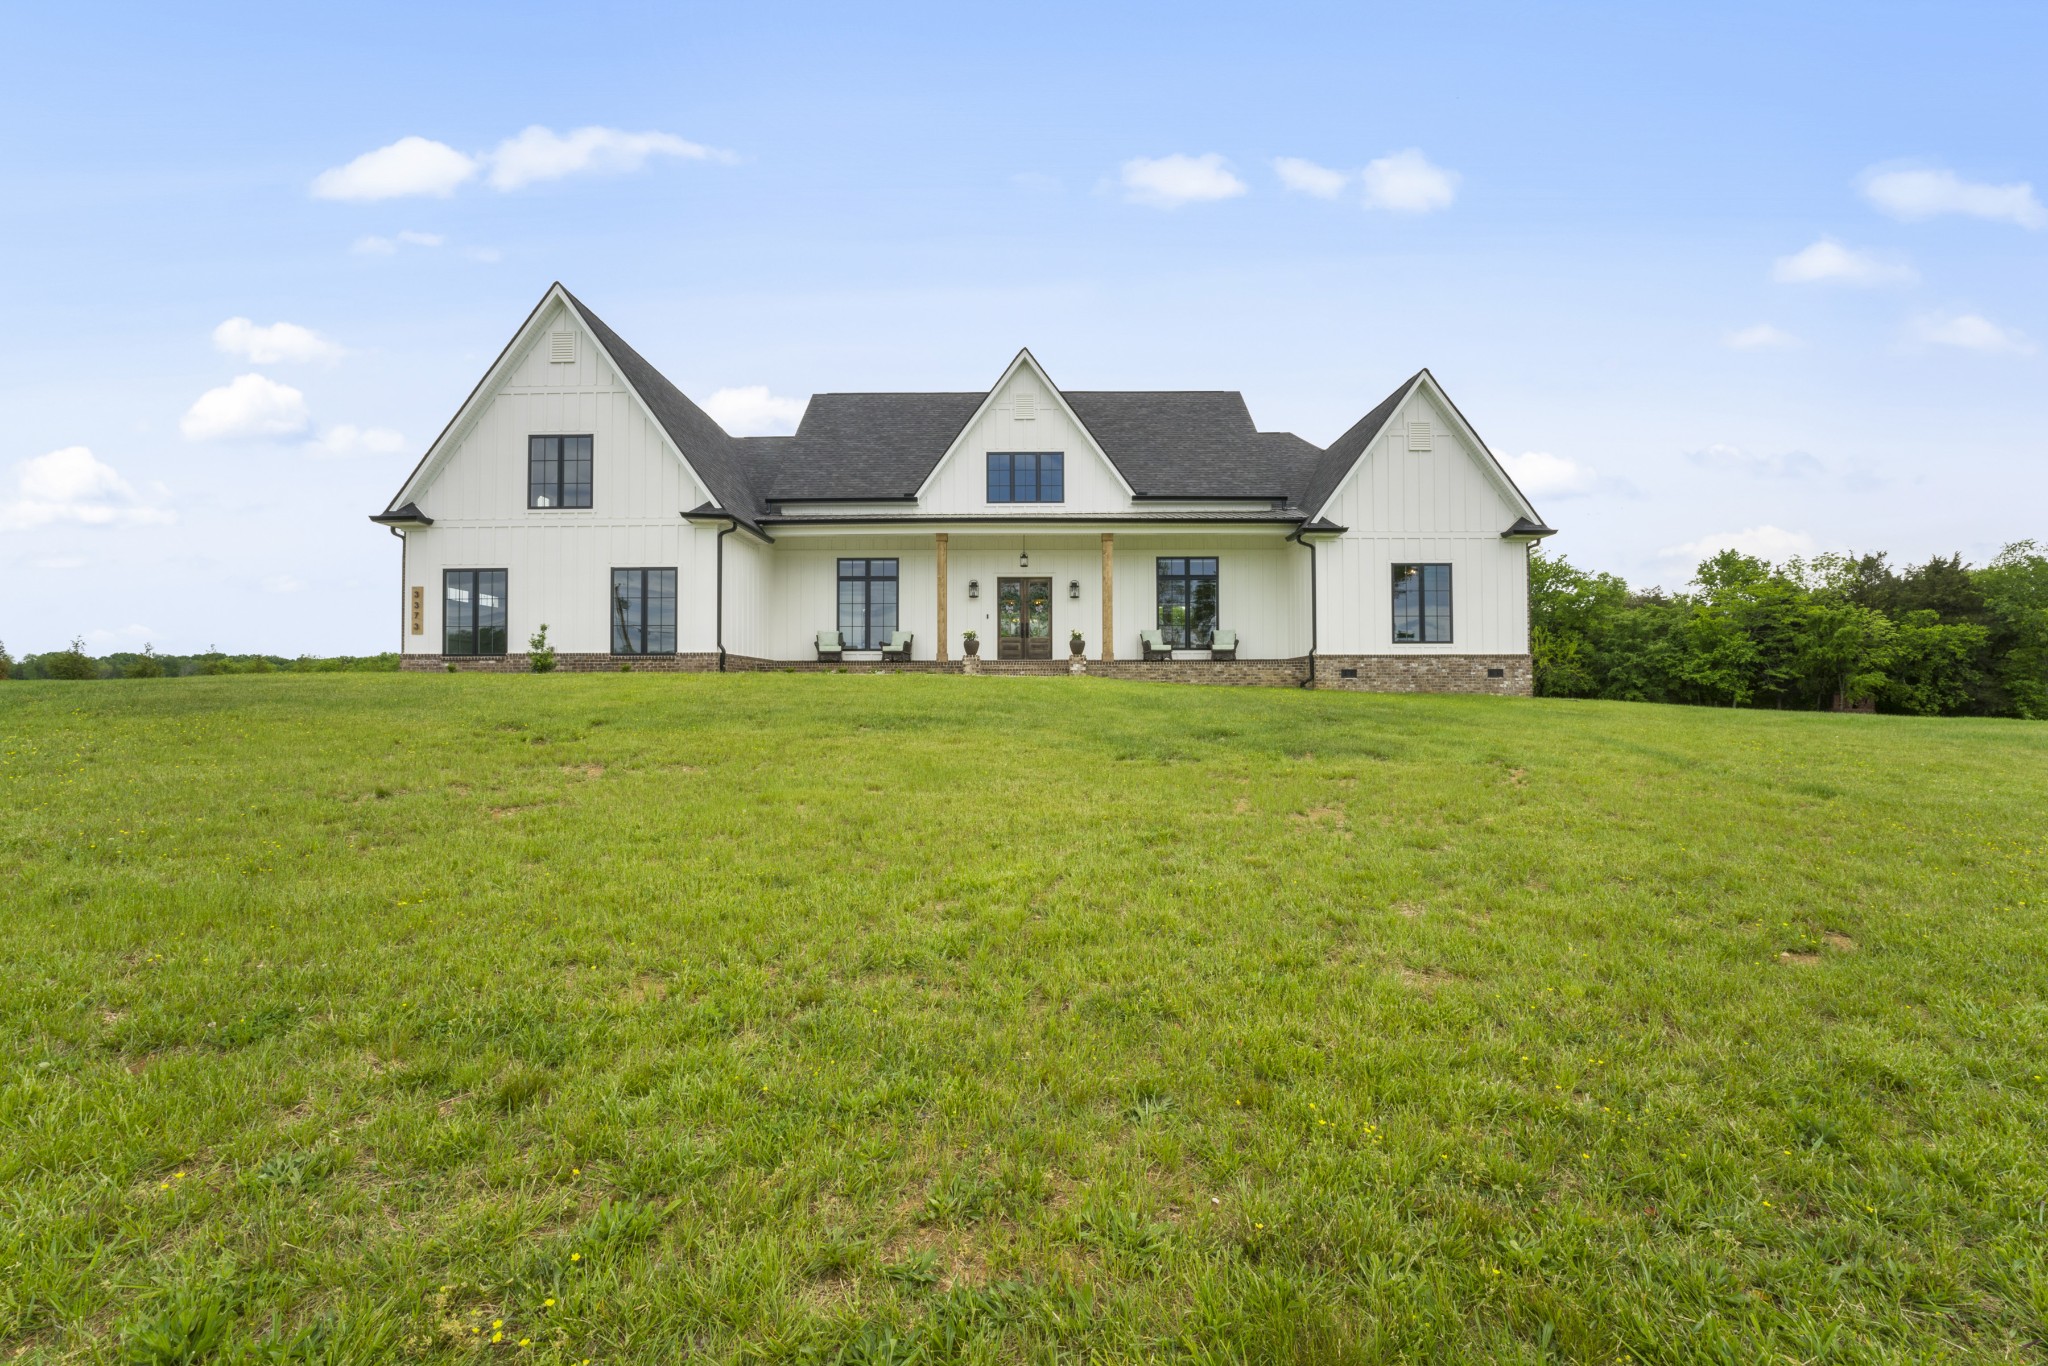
(939, 650)
(1109, 595)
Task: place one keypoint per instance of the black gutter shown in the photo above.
(1026, 519)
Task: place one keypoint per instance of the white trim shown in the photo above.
(487, 389)
(1023, 358)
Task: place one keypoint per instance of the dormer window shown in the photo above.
(1027, 477)
(558, 471)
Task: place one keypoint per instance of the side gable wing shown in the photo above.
(1342, 460)
(698, 443)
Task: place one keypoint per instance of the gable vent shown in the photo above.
(1025, 409)
(1418, 436)
(562, 348)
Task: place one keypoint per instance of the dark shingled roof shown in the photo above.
(713, 454)
(1334, 463)
(1194, 444)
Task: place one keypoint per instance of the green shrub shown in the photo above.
(145, 665)
(6, 662)
(71, 664)
(540, 655)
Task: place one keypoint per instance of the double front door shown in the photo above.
(1023, 618)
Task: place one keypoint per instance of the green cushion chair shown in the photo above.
(1223, 645)
(830, 651)
(897, 651)
(1153, 643)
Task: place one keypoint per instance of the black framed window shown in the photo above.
(1422, 603)
(1187, 602)
(558, 471)
(643, 611)
(1027, 477)
(867, 603)
(473, 611)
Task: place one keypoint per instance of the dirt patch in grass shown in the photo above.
(1800, 957)
(644, 988)
(1424, 980)
(587, 770)
(1837, 940)
(1332, 816)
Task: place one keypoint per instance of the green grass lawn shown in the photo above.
(637, 1019)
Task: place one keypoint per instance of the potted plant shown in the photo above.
(1076, 644)
(970, 642)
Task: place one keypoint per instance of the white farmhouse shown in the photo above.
(1152, 534)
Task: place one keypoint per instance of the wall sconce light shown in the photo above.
(1023, 559)
(1073, 588)
(974, 588)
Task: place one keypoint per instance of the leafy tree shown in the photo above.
(6, 662)
(2015, 589)
(70, 663)
(148, 664)
(1932, 669)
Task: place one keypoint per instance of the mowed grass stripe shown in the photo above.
(907, 1018)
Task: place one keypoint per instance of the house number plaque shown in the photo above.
(419, 610)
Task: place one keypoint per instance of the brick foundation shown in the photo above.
(1232, 673)
(1427, 673)
(1375, 673)
(564, 663)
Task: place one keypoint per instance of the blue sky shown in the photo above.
(1749, 275)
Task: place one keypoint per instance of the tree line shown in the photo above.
(73, 662)
(1942, 638)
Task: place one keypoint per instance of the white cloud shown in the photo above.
(1828, 261)
(1972, 333)
(489, 256)
(1765, 542)
(1777, 465)
(1914, 194)
(542, 154)
(104, 636)
(1406, 182)
(1170, 181)
(344, 440)
(283, 583)
(59, 562)
(1762, 337)
(1309, 178)
(752, 411)
(70, 485)
(388, 246)
(409, 166)
(277, 342)
(247, 406)
(1541, 474)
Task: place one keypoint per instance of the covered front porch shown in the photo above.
(1026, 590)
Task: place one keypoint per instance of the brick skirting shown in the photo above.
(564, 663)
(1233, 673)
(1427, 673)
(1373, 673)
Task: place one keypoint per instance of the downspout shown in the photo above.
(1313, 613)
(404, 596)
(730, 527)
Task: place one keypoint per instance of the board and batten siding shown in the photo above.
(558, 561)
(1438, 506)
(960, 483)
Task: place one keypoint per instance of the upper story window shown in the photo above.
(1422, 604)
(1027, 477)
(558, 471)
(473, 612)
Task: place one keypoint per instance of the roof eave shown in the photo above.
(409, 515)
(1526, 530)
